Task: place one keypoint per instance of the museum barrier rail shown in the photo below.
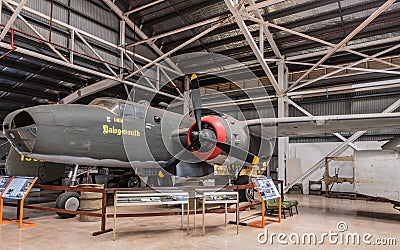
(111, 191)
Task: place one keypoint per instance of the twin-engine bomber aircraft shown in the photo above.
(116, 133)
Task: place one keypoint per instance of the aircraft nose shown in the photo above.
(21, 130)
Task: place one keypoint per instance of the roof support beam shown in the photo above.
(135, 66)
(83, 69)
(345, 48)
(88, 90)
(138, 31)
(35, 83)
(172, 32)
(182, 11)
(374, 15)
(96, 54)
(353, 47)
(12, 19)
(289, 11)
(249, 38)
(266, 31)
(85, 34)
(179, 47)
(142, 7)
(35, 31)
(170, 81)
(9, 88)
(347, 67)
(263, 4)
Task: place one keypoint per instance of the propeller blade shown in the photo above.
(170, 166)
(196, 100)
(236, 152)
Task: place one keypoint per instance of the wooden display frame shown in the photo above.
(145, 198)
(203, 194)
(20, 221)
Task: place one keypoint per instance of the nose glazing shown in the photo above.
(21, 130)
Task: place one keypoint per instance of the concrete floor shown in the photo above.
(317, 215)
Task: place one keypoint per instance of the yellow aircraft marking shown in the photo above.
(23, 158)
(117, 131)
(256, 160)
(120, 120)
(194, 76)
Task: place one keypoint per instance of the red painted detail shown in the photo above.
(220, 132)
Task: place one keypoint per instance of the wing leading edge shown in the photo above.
(313, 125)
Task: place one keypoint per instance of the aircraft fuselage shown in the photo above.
(93, 134)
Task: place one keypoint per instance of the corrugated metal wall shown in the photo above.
(83, 15)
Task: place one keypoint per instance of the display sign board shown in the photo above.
(18, 187)
(266, 188)
(4, 180)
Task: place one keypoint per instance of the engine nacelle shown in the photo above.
(227, 130)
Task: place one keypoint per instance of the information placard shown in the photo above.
(267, 188)
(18, 187)
(4, 180)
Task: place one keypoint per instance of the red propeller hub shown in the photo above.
(220, 132)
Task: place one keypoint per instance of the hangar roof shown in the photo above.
(27, 80)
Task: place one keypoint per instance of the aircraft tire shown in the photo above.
(68, 201)
(245, 195)
(134, 181)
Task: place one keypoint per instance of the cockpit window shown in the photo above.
(110, 105)
(126, 110)
(139, 112)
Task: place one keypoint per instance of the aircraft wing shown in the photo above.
(393, 144)
(305, 125)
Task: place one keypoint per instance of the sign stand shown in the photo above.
(266, 190)
(4, 182)
(17, 188)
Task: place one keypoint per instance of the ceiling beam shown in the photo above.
(266, 32)
(10, 88)
(178, 30)
(196, 37)
(367, 21)
(16, 101)
(88, 90)
(142, 7)
(284, 12)
(183, 11)
(33, 81)
(246, 33)
(12, 19)
(82, 69)
(42, 70)
(263, 4)
(86, 34)
(327, 31)
(140, 33)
